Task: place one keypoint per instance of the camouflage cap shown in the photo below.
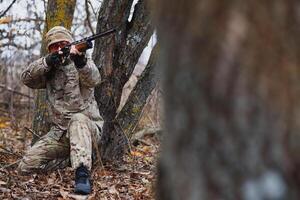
(58, 34)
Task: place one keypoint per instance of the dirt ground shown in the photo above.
(134, 179)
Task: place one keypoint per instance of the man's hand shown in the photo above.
(53, 59)
(78, 57)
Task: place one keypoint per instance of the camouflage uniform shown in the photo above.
(73, 111)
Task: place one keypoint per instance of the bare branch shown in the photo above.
(7, 9)
(14, 91)
(88, 17)
(20, 47)
(91, 5)
(28, 20)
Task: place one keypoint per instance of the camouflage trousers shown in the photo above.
(58, 148)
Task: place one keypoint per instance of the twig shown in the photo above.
(11, 164)
(20, 47)
(28, 20)
(61, 179)
(14, 91)
(88, 17)
(31, 131)
(123, 132)
(95, 13)
(2, 110)
(143, 142)
(4, 12)
(95, 143)
(6, 151)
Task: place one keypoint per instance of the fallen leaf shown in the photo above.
(4, 124)
(64, 194)
(148, 159)
(78, 197)
(136, 153)
(101, 185)
(5, 20)
(4, 190)
(135, 175)
(144, 180)
(146, 149)
(51, 181)
(2, 183)
(113, 190)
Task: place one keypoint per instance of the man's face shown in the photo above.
(57, 46)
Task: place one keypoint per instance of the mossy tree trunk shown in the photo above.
(116, 57)
(59, 13)
(232, 89)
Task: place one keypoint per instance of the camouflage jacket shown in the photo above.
(69, 90)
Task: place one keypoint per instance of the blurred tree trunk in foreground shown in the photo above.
(117, 56)
(59, 13)
(232, 89)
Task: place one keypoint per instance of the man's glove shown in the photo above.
(53, 59)
(79, 60)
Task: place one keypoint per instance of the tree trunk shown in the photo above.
(116, 57)
(128, 118)
(132, 110)
(231, 86)
(59, 13)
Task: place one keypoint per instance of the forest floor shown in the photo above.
(133, 179)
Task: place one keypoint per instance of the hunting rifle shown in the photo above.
(85, 43)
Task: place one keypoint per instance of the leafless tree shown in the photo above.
(117, 57)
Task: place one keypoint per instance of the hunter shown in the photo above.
(74, 114)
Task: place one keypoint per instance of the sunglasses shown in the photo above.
(57, 46)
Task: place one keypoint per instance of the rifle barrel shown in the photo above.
(101, 34)
(93, 37)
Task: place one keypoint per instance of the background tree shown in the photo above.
(20, 34)
(59, 13)
(117, 56)
(231, 83)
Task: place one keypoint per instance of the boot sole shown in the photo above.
(82, 189)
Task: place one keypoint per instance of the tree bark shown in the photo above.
(133, 108)
(59, 13)
(116, 57)
(128, 118)
(231, 86)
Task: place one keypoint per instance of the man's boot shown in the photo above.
(82, 180)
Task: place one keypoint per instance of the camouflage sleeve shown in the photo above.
(34, 75)
(89, 75)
